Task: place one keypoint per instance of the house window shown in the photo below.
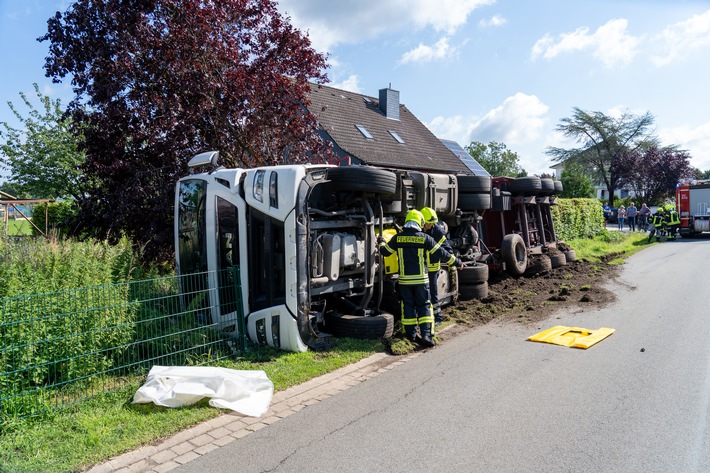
(396, 137)
(364, 132)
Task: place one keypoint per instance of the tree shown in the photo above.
(157, 81)
(43, 158)
(575, 182)
(496, 158)
(654, 172)
(603, 139)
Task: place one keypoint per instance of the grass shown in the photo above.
(19, 227)
(108, 425)
(90, 432)
(610, 247)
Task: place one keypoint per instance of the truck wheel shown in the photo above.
(474, 274)
(480, 201)
(363, 178)
(570, 256)
(539, 264)
(547, 186)
(557, 260)
(558, 187)
(514, 254)
(359, 326)
(528, 185)
(474, 183)
(473, 291)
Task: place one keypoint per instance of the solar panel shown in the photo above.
(465, 158)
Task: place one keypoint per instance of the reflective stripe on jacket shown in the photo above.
(412, 248)
(437, 233)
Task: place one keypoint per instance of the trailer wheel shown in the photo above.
(539, 264)
(359, 326)
(547, 186)
(558, 187)
(363, 178)
(570, 256)
(514, 254)
(480, 201)
(473, 291)
(474, 274)
(557, 260)
(474, 183)
(528, 185)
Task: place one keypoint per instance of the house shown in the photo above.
(600, 190)
(379, 131)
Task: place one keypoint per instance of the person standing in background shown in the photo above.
(621, 216)
(643, 214)
(631, 215)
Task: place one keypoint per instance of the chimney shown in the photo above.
(389, 102)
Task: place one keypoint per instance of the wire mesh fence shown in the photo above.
(64, 347)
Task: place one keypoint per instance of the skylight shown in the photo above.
(364, 132)
(396, 137)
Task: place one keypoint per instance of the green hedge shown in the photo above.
(57, 213)
(577, 218)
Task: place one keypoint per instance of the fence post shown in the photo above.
(241, 325)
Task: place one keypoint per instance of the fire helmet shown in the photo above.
(416, 217)
(429, 215)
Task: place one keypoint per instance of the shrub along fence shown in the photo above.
(64, 347)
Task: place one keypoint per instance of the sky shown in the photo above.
(476, 70)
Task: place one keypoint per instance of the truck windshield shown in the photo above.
(267, 258)
(192, 249)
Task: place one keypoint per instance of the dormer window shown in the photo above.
(396, 137)
(364, 132)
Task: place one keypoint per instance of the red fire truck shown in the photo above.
(692, 200)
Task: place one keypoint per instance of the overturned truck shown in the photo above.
(305, 240)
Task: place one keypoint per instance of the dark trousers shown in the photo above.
(434, 295)
(415, 307)
(632, 223)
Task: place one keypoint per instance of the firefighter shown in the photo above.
(672, 221)
(434, 229)
(412, 246)
(658, 222)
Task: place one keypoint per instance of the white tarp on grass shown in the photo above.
(244, 391)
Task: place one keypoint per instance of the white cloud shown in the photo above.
(331, 23)
(457, 128)
(495, 20)
(351, 84)
(696, 140)
(518, 120)
(424, 53)
(680, 39)
(610, 44)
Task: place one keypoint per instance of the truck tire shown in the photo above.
(473, 291)
(558, 259)
(514, 254)
(474, 183)
(363, 178)
(558, 187)
(474, 274)
(479, 201)
(539, 264)
(547, 186)
(359, 326)
(528, 185)
(570, 256)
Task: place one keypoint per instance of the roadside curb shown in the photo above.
(209, 435)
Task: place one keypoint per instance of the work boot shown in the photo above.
(426, 340)
(411, 334)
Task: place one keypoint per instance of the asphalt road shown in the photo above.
(490, 401)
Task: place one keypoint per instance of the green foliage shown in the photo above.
(577, 218)
(575, 182)
(603, 141)
(57, 216)
(496, 158)
(44, 157)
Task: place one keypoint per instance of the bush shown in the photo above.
(577, 218)
(57, 215)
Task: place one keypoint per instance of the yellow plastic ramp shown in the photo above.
(574, 337)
